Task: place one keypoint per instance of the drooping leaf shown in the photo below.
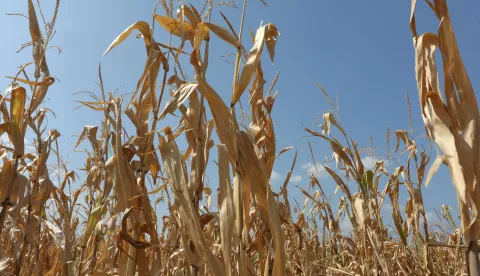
(223, 34)
(328, 119)
(141, 26)
(37, 42)
(17, 124)
(57, 234)
(433, 169)
(250, 66)
(178, 98)
(191, 16)
(271, 39)
(173, 26)
(201, 34)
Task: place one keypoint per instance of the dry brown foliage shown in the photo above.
(253, 230)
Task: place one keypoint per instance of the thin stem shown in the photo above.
(95, 248)
(132, 253)
(25, 241)
(237, 60)
(85, 238)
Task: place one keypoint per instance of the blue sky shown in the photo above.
(361, 50)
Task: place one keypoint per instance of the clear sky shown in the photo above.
(361, 50)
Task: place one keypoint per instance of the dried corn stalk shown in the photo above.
(452, 119)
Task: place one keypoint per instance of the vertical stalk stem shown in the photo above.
(6, 202)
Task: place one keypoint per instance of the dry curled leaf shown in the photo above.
(178, 28)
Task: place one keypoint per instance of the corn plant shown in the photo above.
(451, 122)
(103, 219)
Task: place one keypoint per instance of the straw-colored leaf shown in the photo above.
(283, 151)
(359, 212)
(17, 111)
(174, 167)
(90, 133)
(250, 66)
(201, 34)
(97, 106)
(223, 34)
(225, 124)
(433, 168)
(271, 39)
(37, 42)
(141, 26)
(328, 119)
(227, 211)
(173, 26)
(191, 16)
(47, 81)
(57, 234)
(178, 98)
(435, 114)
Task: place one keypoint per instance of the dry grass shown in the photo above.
(253, 230)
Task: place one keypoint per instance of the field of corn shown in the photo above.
(103, 219)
